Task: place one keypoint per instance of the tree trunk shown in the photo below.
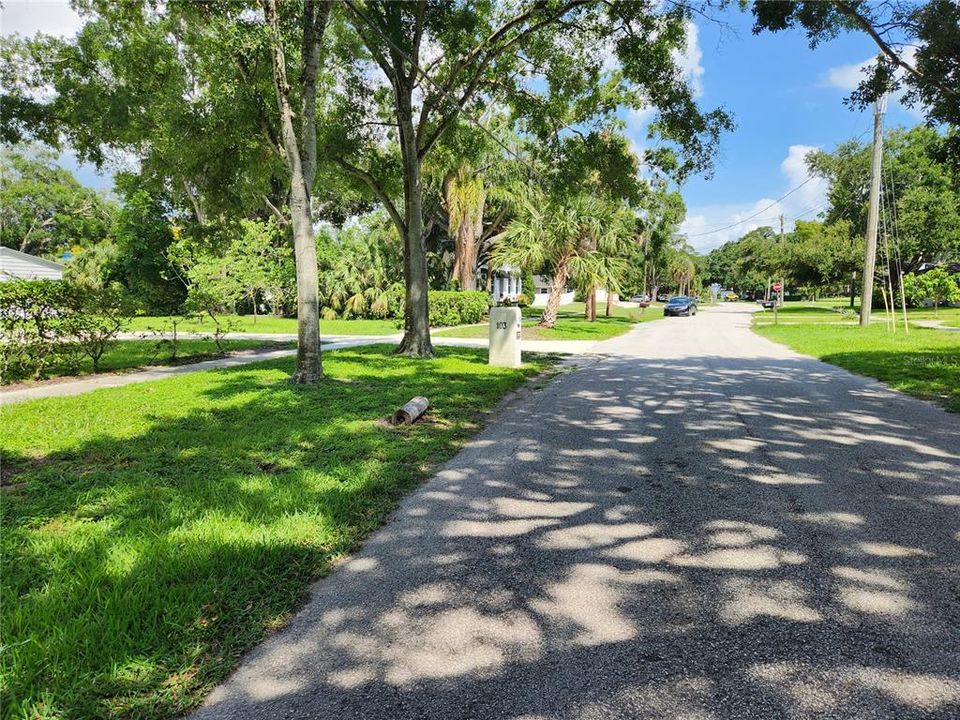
(301, 165)
(609, 303)
(557, 286)
(853, 289)
(593, 305)
(416, 334)
(465, 249)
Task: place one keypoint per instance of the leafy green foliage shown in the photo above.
(918, 185)
(143, 236)
(360, 268)
(934, 286)
(247, 262)
(43, 209)
(45, 323)
(462, 307)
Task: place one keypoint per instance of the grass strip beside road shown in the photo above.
(924, 363)
(153, 533)
(824, 312)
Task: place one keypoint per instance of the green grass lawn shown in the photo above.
(924, 363)
(821, 312)
(571, 325)
(268, 324)
(132, 354)
(152, 533)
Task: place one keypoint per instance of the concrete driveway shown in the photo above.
(698, 524)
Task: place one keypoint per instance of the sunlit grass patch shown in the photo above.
(924, 363)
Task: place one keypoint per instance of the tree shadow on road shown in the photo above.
(716, 539)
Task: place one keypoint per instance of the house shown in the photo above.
(15, 265)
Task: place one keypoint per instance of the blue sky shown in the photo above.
(786, 99)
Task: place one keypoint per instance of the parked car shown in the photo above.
(767, 304)
(730, 296)
(680, 305)
(662, 297)
(640, 298)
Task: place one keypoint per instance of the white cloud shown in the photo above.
(709, 226)
(845, 77)
(28, 17)
(848, 78)
(689, 59)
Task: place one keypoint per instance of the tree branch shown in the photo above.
(275, 210)
(372, 183)
(891, 54)
(375, 52)
(481, 65)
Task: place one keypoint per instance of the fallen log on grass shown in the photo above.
(411, 412)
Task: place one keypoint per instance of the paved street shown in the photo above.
(697, 524)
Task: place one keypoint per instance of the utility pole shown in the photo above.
(873, 212)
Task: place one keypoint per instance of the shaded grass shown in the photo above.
(133, 354)
(268, 324)
(571, 325)
(925, 363)
(154, 532)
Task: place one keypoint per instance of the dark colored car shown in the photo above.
(680, 305)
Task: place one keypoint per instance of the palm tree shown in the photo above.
(464, 197)
(569, 236)
(681, 271)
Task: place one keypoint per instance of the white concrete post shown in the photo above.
(504, 336)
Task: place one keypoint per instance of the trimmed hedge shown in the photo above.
(454, 307)
(463, 307)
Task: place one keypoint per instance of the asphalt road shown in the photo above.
(698, 524)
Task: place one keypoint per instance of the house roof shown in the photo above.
(27, 257)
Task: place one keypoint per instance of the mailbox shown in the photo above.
(505, 336)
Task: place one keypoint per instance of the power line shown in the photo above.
(756, 214)
(809, 210)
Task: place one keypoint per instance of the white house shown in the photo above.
(505, 283)
(17, 265)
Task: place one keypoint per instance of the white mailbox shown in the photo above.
(505, 336)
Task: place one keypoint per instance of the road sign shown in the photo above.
(777, 287)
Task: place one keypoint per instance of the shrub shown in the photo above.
(457, 308)
(32, 318)
(453, 308)
(934, 286)
(96, 316)
(45, 323)
(523, 300)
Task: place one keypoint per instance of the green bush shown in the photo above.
(523, 300)
(447, 307)
(457, 308)
(45, 323)
(34, 315)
